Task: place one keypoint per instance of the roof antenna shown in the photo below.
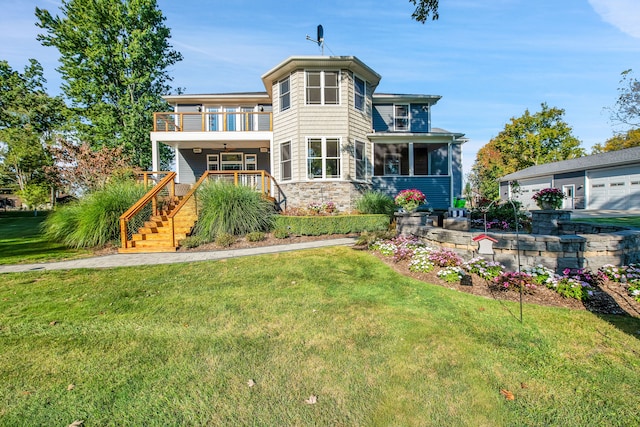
(320, 38)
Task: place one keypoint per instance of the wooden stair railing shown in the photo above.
(163, 221)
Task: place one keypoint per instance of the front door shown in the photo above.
(569, 195)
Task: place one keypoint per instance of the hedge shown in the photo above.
(338, 224)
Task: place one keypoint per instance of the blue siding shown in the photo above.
(435, 188)
(382, 117)
(419, 118)
(192, 165)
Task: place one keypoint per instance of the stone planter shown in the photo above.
(547, 221)
(408, 223)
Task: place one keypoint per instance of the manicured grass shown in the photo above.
(178, 344)
(626, 221)
(22, 240)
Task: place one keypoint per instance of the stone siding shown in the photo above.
(343, 193)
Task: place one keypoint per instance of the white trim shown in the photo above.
(408, 117)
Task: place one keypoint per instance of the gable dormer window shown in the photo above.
(401, 117)
(322, 87)
(359, 91)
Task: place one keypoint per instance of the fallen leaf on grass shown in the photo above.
(76, 423)
(507, 394)
(53, 323)
(251, 383)
(524, 385)
(312, 400)
(71, 387)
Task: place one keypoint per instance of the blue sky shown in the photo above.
(490, 60)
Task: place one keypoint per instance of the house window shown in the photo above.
(214, 117)
(322, 87)
(231, 161)
(361, 160)
(359, 90)
(285, 161)
(285, 94)
(401, 117)
(212, 162)
(323, 158)
(250, 162)
(392, 164)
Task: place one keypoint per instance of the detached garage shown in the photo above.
(601, 181)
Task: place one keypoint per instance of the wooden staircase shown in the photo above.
(156, 234)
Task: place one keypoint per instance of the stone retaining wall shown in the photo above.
(580, 245)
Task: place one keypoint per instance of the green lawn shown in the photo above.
(178, 345)
(626, 221)
(21, 240)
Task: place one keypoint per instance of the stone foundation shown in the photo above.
(344, 194)
(580, 245)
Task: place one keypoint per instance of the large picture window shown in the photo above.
(323, 158)
(359, 90)
(322, 87)
(285, 94)
(285, 161)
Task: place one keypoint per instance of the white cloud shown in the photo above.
(622, 14)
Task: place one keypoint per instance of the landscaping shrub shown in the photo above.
(191, 242)
(281, 233)
(224, 240)
(370, 237)
(93, 220)
(256, 236)
(376, 202)
(339, 224)
(233, 209)
(513, 281)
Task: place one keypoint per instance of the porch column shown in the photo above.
(155, 156)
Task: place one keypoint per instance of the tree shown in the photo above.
(627, 109)
(81, 169)
(424, 9)
(114, 56)
(630, 138)
(532, 139)
(29, 118)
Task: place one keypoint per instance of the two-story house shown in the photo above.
(320, 130)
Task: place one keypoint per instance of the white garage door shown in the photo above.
(530, 187)
(614, 189)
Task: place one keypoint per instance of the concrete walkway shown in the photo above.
(128, 260)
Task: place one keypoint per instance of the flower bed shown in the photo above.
(575, 284)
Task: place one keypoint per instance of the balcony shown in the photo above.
(213, 121)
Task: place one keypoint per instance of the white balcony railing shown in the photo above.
(228, 121)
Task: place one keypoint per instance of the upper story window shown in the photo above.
(322, 87)
(401, 117)
(359, 91)
(285, 94)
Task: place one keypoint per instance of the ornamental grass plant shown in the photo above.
(93, 220)
(376, 202)
(233, 209)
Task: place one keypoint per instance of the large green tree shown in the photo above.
(114, 60)
(529, 140)
(628, 139)
(29, 118)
